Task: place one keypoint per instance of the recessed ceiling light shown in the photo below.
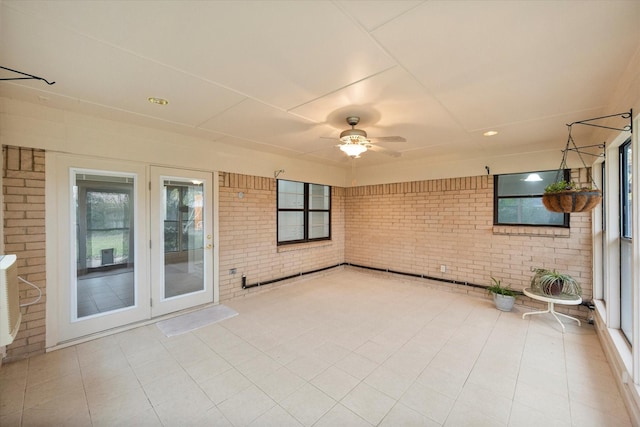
(490, 133)
(159, 101)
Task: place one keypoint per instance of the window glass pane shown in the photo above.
(626, 243)
(290, 226)
(290, 195)
(626, 297)
(318, 225)
(318, 196)
(626, 188)
(526, 211)
(518, 185)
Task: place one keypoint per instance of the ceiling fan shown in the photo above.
(355, 141)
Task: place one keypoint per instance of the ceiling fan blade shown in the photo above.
(387, 139)
(383, 150)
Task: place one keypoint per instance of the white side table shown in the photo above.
(551, 300)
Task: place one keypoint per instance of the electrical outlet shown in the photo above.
(233, 271)
(443, 269)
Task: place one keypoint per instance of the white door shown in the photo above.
(181, 239)
(120, 245)
(100, 258)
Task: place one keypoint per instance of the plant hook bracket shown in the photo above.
(28, 76)
(571, 146)
(626, 115)
(577, 149)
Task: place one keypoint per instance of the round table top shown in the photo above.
(557, 299)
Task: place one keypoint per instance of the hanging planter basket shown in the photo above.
(572, 201)
(568, 197)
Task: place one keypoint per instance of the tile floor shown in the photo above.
(347, 349)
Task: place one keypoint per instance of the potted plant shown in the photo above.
(567, 196)
(503, 296)
(552, 282)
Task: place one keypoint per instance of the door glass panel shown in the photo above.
(183, 237)
(104, 236)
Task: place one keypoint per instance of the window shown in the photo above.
(518, 200)
(304, 212)
(626, 243)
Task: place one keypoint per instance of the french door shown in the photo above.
(181, 239)
(98, 254)
(129, 242)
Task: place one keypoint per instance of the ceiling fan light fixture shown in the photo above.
(353, 150)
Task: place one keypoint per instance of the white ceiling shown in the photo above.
(282, 76)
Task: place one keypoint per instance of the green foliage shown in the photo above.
(559, 186)
(497, 288)
(569, 285)
(563, 185)
(544, 279)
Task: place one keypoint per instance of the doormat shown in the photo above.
(197, 319)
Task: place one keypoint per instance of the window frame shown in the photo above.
(497, 197)
(305, 210)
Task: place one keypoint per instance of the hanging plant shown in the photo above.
(567, 196)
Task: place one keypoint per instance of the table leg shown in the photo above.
(563, 315)
(550, 309)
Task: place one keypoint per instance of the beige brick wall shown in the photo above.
(24, 235)
(417, 227)
(248, 239)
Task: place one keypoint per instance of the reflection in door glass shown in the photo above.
(104, 242)
(183, 237)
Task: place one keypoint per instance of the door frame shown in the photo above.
(57, 244)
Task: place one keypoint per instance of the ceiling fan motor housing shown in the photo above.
(354, 135)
